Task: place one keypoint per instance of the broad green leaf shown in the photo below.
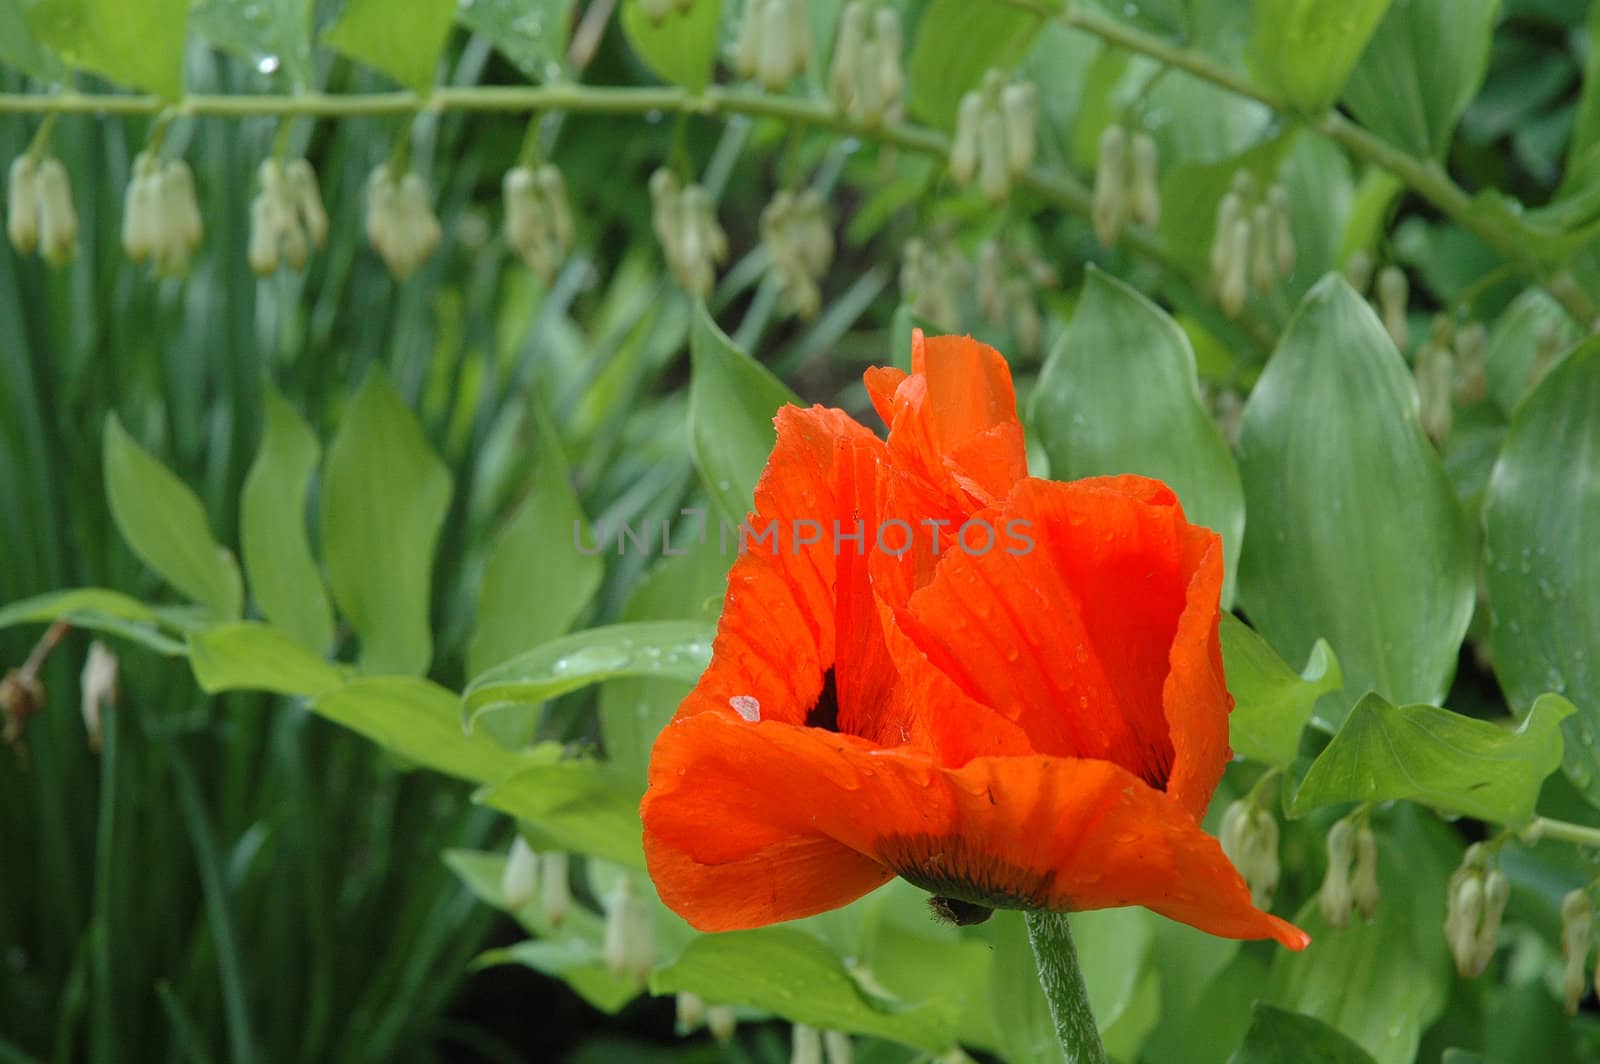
(384, 497)
(1119, 394)
(1533, 320)
(98, 609)
(682, 47)
(1420, 70)
(1213, 1025)
(137, 45)
(576, 803)
(1303, 50)
(165, 525)
(1271, 704)
(1455, 763)
(258, 657)
(1542, 565)
(270, 34)
(790, 973)
(957, 40)
(1022, 1018)
(1280, 1037)
(530, 33)
(578, 962)
(1382, 982)
(420, 721)
(403, 42)
(1355, 532)
(668, 650)
(732, 400)
(19, 49)
(284, 581)
(634, 709)
(536, 580)
(1191, 966)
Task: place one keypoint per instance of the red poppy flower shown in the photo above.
(1039, 724)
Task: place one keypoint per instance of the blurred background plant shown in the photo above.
(464, 322)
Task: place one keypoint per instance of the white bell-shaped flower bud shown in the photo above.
(1265, 871)
(1283, 250)
(178, 188)
(555, 894)
(58, 218)
(845, 73)
(22, 204)
(1393, 294)
(991, 282)
(1229, 210)
(519, 879)
(775, 65)
(1146, 180)
(994, 171)
(690, 1012)
(263, 247)
(964, 144)
(1472, 340)
(379, 218)
(307, 199)
(1334, 899)
(1463, 918)
(799, 34)
(139, 208)
(887, 71)
(630, 945)
(722, 1022)
(523, 225)
(1235, 284)
(1019, 105)
(1263, 266)
(747, 45)
(1496, 892)
(1577, 927)
(867, 106)
(553, 190)
(839, 1047)
(99, 687)
(805, 1045)
(1358, 271)
(1364, 880)
(1110, 208)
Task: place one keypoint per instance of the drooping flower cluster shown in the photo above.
(39, 210)
(160, 216)
(1126, 183)
(798, 236)
(866, 79)
(1005, 285)
(287, 218)
(539, 226)
(1475, 900)
(931, 279)
(1351, 881)
(400, 223)
(1249, 836)
(1577, 930)
(996, 135)
(1252, 244)
(774, 42)
(686, 225)
(1002, 721)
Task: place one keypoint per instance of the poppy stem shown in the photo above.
(1064, 988)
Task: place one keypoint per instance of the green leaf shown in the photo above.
(137, 45)
(1420, 70)
(576, 803)
(1303, 50)
(667, 650)
(1114, 950)
(634, 709)
(20, 50)
(165, 525)
(1279, 1037)
(794, 975)
(682, 47)
(1455, 763)
(1119, 394)
(268, 33)
(257, 657)
(1382, 982)
(384, 497)
(1533, 319)
(420, 722)
(100, 610)
(536, 580)
(405, 44)
(284, 581)
(1271, 704)
(732, 400)
(530, 33)
(1355, 532)
(957, 40)
(1542, 567)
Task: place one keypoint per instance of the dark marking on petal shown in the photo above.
(954, 869)
(825, 713)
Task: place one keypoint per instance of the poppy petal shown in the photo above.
(1019, 832)
(1070, 626)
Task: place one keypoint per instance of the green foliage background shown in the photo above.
(326, 518)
